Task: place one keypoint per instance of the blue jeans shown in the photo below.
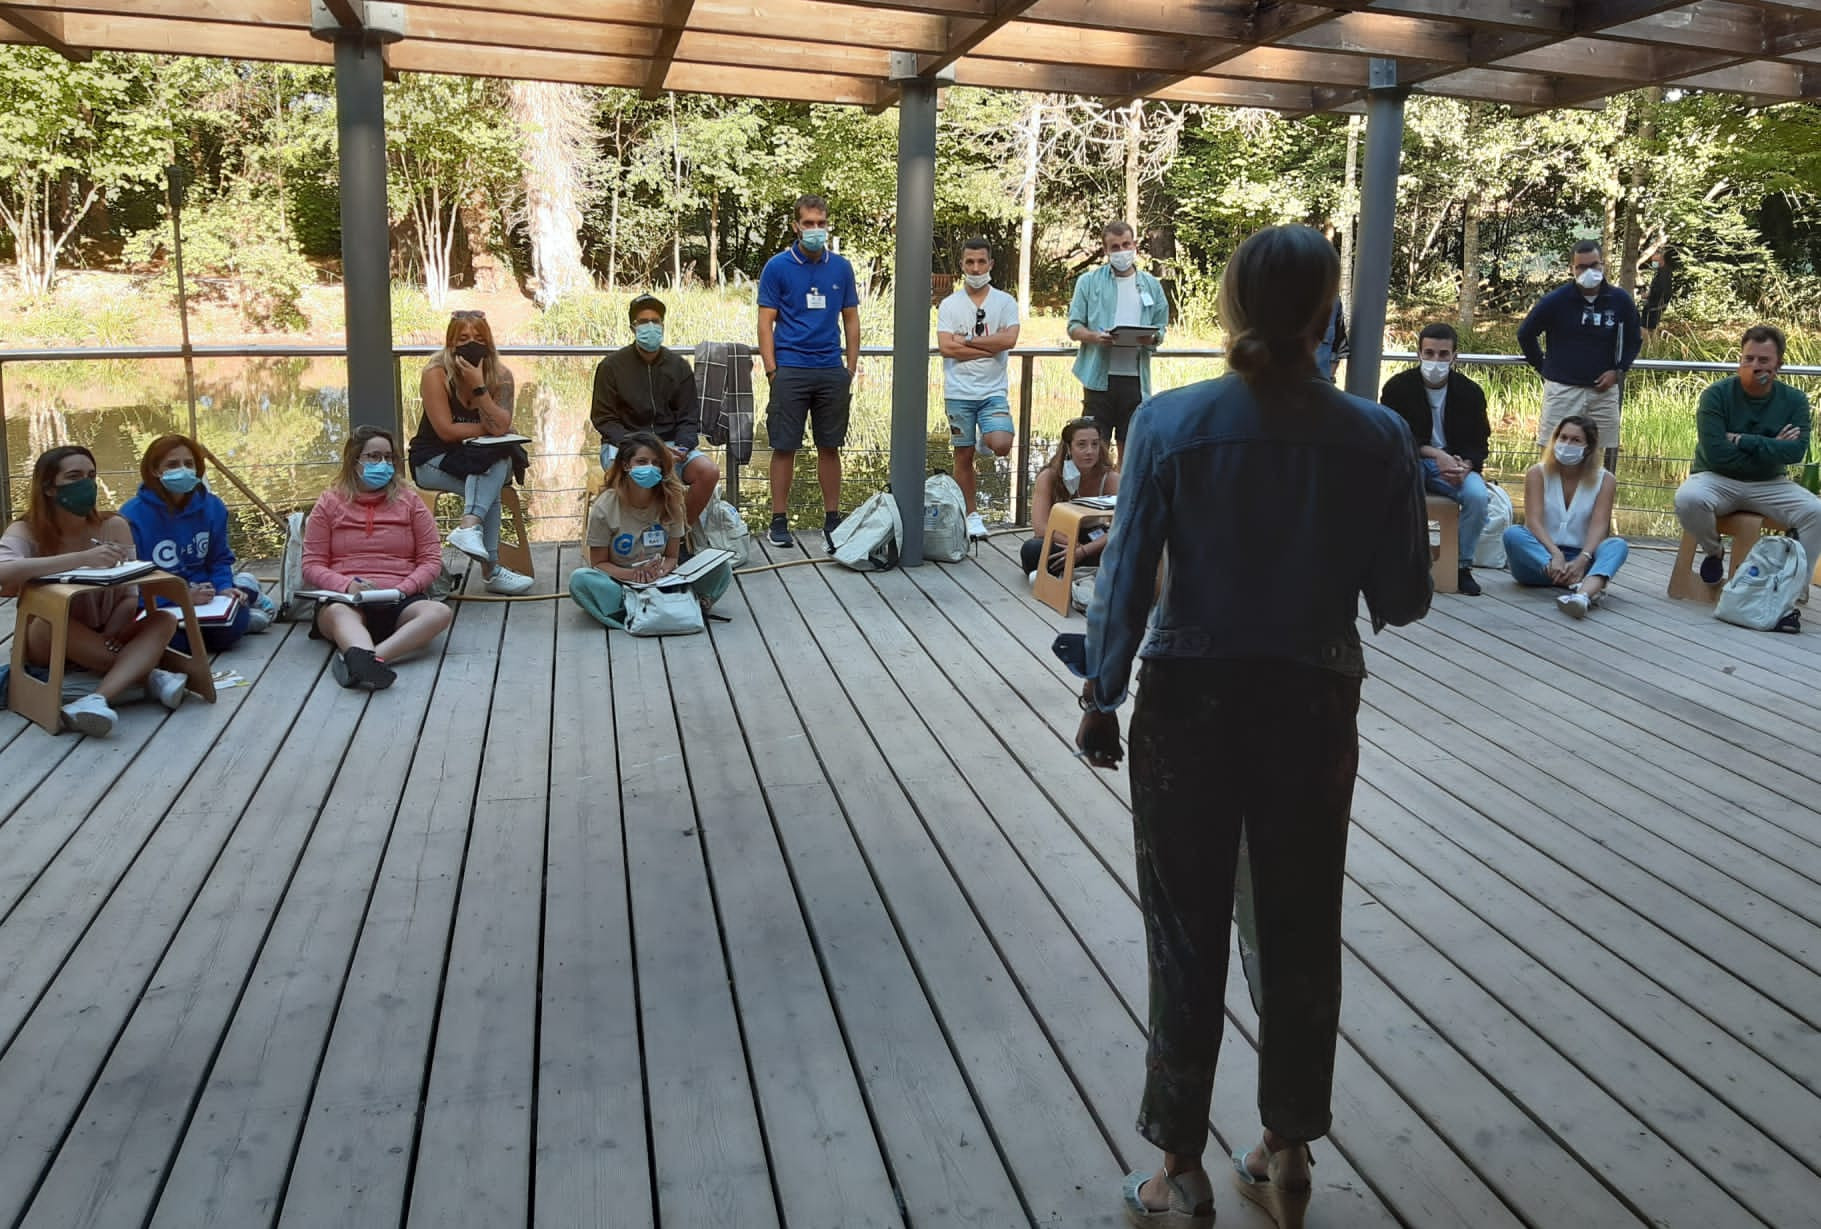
(480, 496)
(1528, 558)
(1470, 495)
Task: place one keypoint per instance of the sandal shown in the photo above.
(1191, 1202)
(1285, 1200)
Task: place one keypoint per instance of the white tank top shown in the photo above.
(1567, 522)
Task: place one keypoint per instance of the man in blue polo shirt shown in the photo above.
(1594, 336)
(808, 304)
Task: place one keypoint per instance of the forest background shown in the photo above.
(549, 204)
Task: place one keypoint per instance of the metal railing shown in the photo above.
(1026, 356)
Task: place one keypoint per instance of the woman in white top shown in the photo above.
(1566, 539)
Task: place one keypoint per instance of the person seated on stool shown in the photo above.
(1079, 468)
(1447, 416)
(467, 392)
(1749, 429)
(636, 530)
(61, 531)
(182, 526)
(1566, 539)
(368, 532)
(648, 387)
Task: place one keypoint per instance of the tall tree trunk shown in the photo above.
(676, 167)
(1647, 136)
(1349, 212)
(613, 217)
(1134, 144)
(554, 126)
(1470, 261)
(714, 238)
(1027, 223)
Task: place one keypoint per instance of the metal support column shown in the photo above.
(366, 250)
(1377, 217)
(910, 289)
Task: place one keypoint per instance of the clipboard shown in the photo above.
(1131, 335)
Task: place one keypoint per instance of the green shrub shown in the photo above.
(237, 238)
(413, 319)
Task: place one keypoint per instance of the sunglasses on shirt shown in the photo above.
(980, 322)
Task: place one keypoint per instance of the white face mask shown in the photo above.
(1121, 261)
(1570, 454)
(1590, 279)
(976, 280)
(1435, 372)
(1071, 475)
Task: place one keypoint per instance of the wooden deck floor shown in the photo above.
(816, 922)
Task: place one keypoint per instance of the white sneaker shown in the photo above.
(976, 528)
(1030, 578)
(258, 620)
(167, 687)
(505, 581)
(90, 715)
(469, 542)
(1574, 605)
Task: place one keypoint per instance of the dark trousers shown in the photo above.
(1113, 406)
(1270, 748)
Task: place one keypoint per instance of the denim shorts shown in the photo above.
(970, 422)
(609, 452)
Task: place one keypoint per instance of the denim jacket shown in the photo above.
(1096, 306)
(1278, 514)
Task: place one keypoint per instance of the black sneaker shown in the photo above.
(1468, 586)
(831, 521)
(1791, 623)
(338, 666)
(1713, 568)
(779, 534)
(367, 670)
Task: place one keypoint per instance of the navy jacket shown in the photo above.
(1586, 340)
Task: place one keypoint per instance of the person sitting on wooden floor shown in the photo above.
(62, 531)
(182, 526)
(368, 532)
(1079, 468)
(1566, 539)
(467, 393)
(636, 530)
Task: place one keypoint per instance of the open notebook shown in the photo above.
(499, 439)
(366, 597)
(133, 569)
(689, 571)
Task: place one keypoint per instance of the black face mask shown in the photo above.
(473, 351)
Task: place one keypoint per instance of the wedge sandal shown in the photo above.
(1285, 1202)
(1191, 1202)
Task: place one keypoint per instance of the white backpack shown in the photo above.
(1490, 551)
(872, 535)
(720, 527)
(944, 520)
(290, 574)
(1767, 585)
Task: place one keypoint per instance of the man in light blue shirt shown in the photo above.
(1115, 367)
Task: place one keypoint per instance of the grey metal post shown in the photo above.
(1377, 217)
(174, 181)
(366, 249)
(910, 288)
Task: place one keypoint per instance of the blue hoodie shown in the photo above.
(1586, 340)
(191, 541)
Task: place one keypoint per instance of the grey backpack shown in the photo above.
(944, 520)
(1767, 585)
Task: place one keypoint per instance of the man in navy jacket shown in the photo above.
(1594, 336)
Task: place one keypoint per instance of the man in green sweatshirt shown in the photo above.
(1750, 428)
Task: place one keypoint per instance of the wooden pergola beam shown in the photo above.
(676, 20)
(344, 14)
(38, 30)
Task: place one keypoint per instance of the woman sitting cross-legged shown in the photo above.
(62, 531)
(467, 393)
(1566, 539)
(635, 531)
(368, 532)
(182, 526)
(1079, 468)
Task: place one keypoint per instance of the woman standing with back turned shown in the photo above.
(1246, 709)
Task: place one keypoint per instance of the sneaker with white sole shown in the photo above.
(1574, 605)
(90, 715)
(469, 542)
(258, 620)
(976, 527)
(167, 687)
(508, 583)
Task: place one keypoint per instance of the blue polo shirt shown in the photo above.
(808, 296)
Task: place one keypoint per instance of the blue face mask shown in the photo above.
(179, 481)
(814, 240)
(376, 474)
(649, 336)
(647, 476)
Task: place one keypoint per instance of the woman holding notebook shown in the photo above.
(62, 531)
(371, 552)
(636, 530)
(467, 394)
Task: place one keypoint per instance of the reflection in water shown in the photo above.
(279, 423)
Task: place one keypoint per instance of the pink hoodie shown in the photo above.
(389, 544)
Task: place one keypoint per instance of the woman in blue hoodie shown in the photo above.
(182, 526)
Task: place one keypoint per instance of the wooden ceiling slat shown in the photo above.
(44, 29)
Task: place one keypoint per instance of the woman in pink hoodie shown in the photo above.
(367, 533)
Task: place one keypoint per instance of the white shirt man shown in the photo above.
(976, 328)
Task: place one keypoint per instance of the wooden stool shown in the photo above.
(516, 556)
(1067, 520)
(1743, 528)
(1445, 565)
(50, 603)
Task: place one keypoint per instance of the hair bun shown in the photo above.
(1249, 353)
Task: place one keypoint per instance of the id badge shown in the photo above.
(1144, 297)
(654, 536)
(817, 300)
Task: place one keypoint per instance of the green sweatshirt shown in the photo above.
(1759, 456)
